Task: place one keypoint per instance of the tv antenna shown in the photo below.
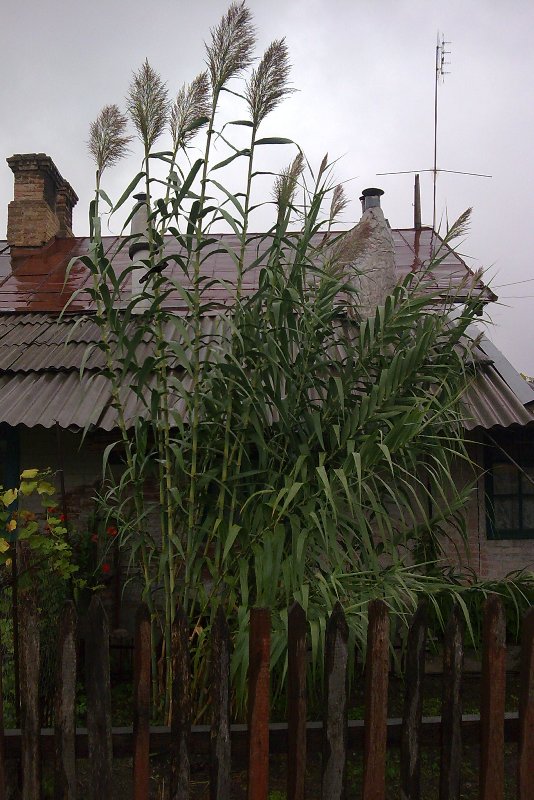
(439, 77)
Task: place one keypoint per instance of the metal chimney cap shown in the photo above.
(372, 192)
(370, 198)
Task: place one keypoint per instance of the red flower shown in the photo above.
(62, 517)
(94, 538)
(106, 569)
(51, 509)
(111, 531)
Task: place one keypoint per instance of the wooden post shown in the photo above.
(376, 702)
(29, 653)
(98, 701)
(220, 746)
(65, 705)
(16, 637)
(2, 744)
(492, 701)
(259, 703)
(296, 702)
(410, 755)
(335, 702)
(180, 708)
(451, 708)
(141, 709)
(525, 771)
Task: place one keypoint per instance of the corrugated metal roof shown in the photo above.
(37, 282)
(40, 382)
(491, 402)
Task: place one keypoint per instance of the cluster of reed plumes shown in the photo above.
(299, 454)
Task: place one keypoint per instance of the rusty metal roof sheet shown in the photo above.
(40, 384)
(38, 282)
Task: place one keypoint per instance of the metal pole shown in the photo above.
(435, 170)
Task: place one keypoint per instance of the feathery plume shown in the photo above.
(230, 49)
(268, 84)
(286, 183)
(347, 249)
(339, 202)
(190, 110)
(460, 226)
(108, 140)
(322, 168)
(148, 104)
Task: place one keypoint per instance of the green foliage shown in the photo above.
(300, 452)
(44, 535)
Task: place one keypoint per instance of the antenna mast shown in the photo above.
(440, 73)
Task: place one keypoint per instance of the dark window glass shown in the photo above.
(3, 453)
(509, 462)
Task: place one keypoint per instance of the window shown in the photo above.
(9, 456)
(509, 463)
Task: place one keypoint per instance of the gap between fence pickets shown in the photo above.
(160, 736)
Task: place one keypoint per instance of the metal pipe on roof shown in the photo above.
(139, 250)
(371, 198)
(417, 204)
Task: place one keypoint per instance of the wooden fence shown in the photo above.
(222, 742)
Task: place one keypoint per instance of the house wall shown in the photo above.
(82, 461)
(488, 558)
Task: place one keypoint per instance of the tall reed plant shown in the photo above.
(299, 451)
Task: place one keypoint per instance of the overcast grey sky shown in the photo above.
(365, 75)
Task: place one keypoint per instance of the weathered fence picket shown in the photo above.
(64, 708)
(376, 702)
(180, 708)
(410, 763)
(220, 747)
(525, 767)
(29, 654)
(451, 708)
(492, 701)
(98, 701)
(2, 744)
(336, 705)
(141, 704)
(332, 738)
(296, 702)
(259, 703)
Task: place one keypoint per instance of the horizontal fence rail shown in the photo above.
(227, 746)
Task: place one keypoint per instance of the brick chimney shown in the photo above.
(42, 205)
